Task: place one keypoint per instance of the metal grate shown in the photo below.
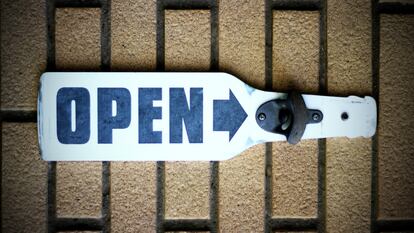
(378, 8)
(164, 224)
(296, 224)
(293, 224)
(64, 224)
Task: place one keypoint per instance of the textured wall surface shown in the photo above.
(241, 191)
(396, 150)
(337, 185)
(241, 52)
(23, 196)
(187, 40)
(133, 35)
(295, 67)
(133, 196)
(23, 51)
(133, 48)
(348, 175)
(77, 39)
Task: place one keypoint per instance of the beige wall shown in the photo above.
(241, 45)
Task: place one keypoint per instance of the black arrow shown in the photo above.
(228, 115)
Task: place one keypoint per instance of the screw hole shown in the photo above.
(344, 116)
(262, 116)
(315, 116)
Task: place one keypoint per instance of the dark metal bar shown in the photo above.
(106, 197)
(374, 184)
(187, 5)
(268, 44)
(268, 86)
(78, 3)
(294, 224)
(268, 189)
(19, 115)
(51, 168)
(323, 48)
(160, 36)
(160, 197)
(214, 196)
(51, 197)
(375, 92)
(78, 224)
(307, 5)
(214, 166)
(106, 35)
(323, 83)
(160, 170)
(321, 185)
(214, 40)
(1, 173)
(394, 225)
(187, 225)
(106, 66)
(396, 8)
(51, 51)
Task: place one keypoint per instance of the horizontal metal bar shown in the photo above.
(78, 3)
(15, 115)
(187, 224)
(303, 5)
(186, 5)
(79, 224)
(294, 224)
(395, 225)
(396, 8)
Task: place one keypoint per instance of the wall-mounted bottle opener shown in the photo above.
(182, 116)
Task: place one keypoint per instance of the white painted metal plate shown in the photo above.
(171, 116)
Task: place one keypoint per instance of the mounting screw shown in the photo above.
(262, 116)
(315, 117)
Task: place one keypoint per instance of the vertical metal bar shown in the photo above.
(51, 50)
(160, 197)
(51, 197)
(160, 36)
(268, 44)
(1, 151)
(106, 66)
(214, 166)
(51, 66)
(214, 53)
(105, 35)
(160, 165)
(322, 185)
(375, 18)
(268, 189)
(106, 197)
(214, 188)
(323, 82)
(268, 86)
(1, 167)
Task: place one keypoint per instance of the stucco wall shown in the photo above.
(285, 177)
